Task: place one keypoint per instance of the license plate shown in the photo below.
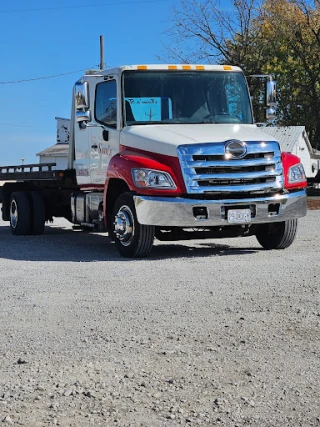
(239, 216)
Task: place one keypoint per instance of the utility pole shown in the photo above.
(101, 53)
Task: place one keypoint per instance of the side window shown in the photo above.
(106, 103)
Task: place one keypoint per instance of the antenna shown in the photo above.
(101, 52)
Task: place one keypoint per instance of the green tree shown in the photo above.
(293, 31)
(280, 37)
(203, 31)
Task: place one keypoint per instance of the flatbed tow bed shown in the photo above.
(55, 187)
(30, 172)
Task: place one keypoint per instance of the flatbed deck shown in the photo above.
(31, 172)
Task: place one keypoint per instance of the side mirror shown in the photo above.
(81, 96)
(83, 116)
(271, 93)
(271, 99)
(271, 113)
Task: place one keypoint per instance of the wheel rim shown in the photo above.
(13, 214)
(124, 225)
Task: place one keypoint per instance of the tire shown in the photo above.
(20, 213)
(279, 235)
(132, 240)
(38, 212)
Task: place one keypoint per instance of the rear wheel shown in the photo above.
(20, 213)
(279, 235)
(38, 217)
(132, 239)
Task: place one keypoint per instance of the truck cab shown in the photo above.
(155, 109)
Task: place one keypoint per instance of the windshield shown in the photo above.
(161, 97)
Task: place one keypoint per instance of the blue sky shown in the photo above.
(64, 38)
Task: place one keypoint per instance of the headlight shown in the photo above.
(296, 174)
(148, 178)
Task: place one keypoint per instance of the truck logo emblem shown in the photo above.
(235, 149)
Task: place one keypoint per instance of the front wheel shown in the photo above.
(133, 240)
(279, 235)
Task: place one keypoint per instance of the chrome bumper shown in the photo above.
(179, 212)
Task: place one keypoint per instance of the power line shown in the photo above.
(43, 78)
(82, 7)
(15, 125)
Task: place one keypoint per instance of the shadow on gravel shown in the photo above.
(59, 244)
(187, 250)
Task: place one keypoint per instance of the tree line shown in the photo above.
(278, 37)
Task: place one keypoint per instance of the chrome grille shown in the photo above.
(206, 169)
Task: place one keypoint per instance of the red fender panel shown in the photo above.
(289, 160)
(121, 164)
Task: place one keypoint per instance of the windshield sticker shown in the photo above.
(150, 109)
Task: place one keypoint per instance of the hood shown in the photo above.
(164, 139)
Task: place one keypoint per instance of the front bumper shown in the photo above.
(182, 212)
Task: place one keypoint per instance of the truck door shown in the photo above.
(104, 139)
(82, 159)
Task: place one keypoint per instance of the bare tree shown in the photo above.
(205, 31)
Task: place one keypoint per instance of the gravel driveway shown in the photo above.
(202, 333)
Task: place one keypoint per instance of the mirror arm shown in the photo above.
(94, 125)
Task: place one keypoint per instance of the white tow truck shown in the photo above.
(168, 152)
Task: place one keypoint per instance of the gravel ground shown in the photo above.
(314, 202)
(202, 333)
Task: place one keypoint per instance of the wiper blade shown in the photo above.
(169, 122)
(148, 122)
